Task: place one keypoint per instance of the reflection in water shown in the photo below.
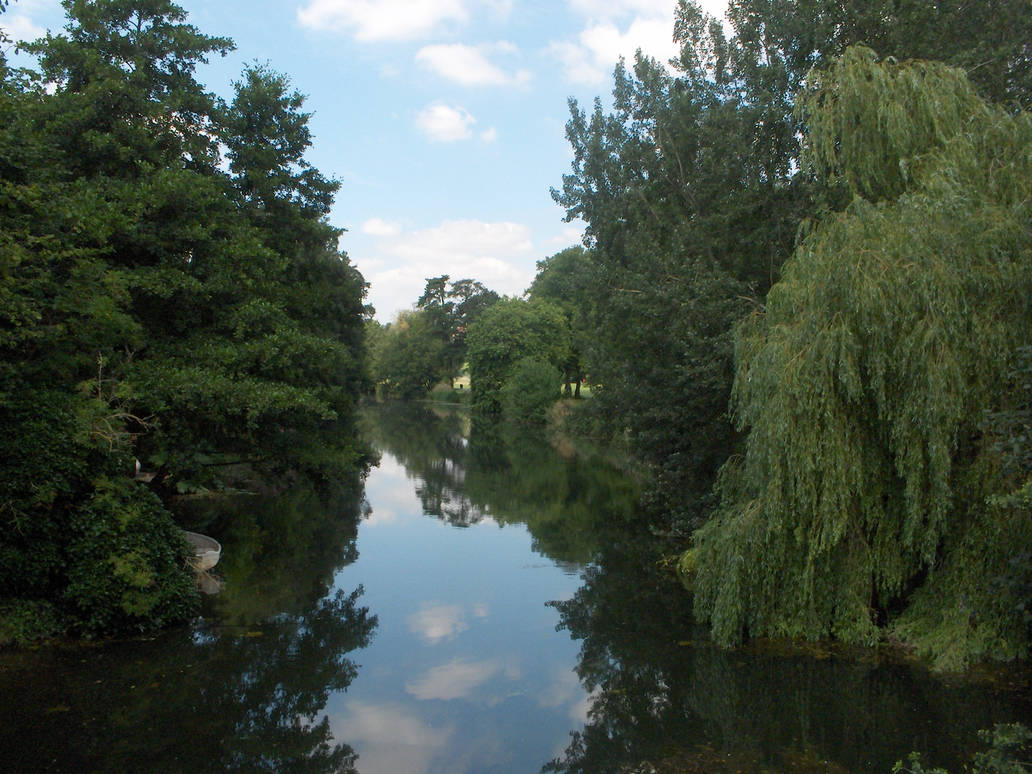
(509, 474)
(245, 694)
(662, 693)
(466, 672)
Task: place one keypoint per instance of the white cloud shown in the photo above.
(471, 65)
(470, 240)
(489, 135)
(572, 234)
(499, 254)
(389, 738)
(23, 20)
(442, 123)
(611, 9)
(381, 20)
(440, 622)
(615, 28)
(454, 680)
(380, 227)
(375, 20)
(591, 58)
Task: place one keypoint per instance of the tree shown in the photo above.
(508, 331)
(692, 198)
(530, 390)
(690, 205)
(407, 361)
(153, 307)
(564, 279)
(867, 486)
(450, 308)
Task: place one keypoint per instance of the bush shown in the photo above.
(126, 562)
(24, 621)
(530, 390)
(1008, 750)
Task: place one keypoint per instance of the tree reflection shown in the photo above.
(244, 691)
(663, 694)
(280, 550)
(509, 473)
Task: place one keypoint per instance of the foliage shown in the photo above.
(428, 345)
(408, 356)
(564, 279)
(507, 332)
(863, 381)
(156, 306)
(1008, 747)
(693, 190)
(450, 308)
(662, 696)
(532, 387)
(125, 560)
(25, 622)
(690, 208)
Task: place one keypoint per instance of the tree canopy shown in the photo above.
(508, 332)
(155, 305)
(866, 492)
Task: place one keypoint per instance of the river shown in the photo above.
(477, 604)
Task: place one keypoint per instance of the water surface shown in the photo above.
(482, 604)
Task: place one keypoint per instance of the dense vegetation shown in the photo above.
(864, 491)
(172, 292)
(869, 488)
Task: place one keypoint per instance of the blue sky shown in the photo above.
(443, 119)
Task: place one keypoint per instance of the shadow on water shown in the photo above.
(243, 690)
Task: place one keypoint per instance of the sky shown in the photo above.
(443, 120)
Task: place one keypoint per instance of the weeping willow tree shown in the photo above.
(871, 500)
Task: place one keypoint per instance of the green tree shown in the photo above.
(530, 390)
(507, 332)
(408, 357)
(450, 308)
(564, 279)
(867, 486)
(690, 207)
(150, 309)
(692, 197)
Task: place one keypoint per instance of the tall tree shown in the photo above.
(690, 205)
(692, 196)
(152, 309)
(450, 307)
(867, 485)
(408, 356)
(564, 279)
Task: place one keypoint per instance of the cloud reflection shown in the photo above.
(437, 623)
(389, 738)
(566, 690)
(388, 487)
(455, 680)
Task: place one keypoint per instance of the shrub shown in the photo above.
(126, 562)
(530, 390)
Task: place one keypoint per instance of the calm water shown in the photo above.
(480, 606)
